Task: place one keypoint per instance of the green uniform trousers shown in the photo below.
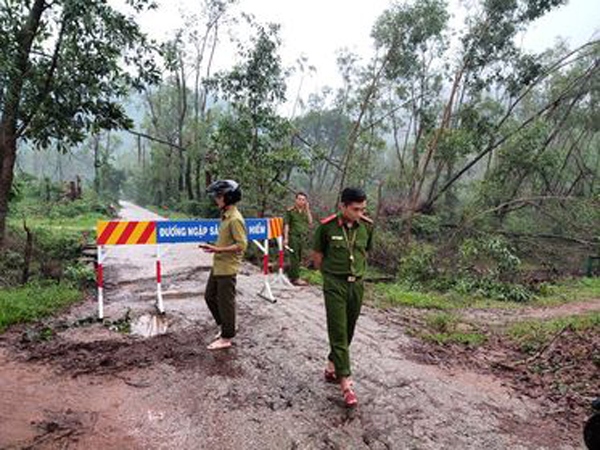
(296, 243)
(220, 299)
(343, 301)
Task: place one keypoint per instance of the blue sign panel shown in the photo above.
(257, 229)
(190, 231)
(181, 231)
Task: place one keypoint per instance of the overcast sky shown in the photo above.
(318, 28)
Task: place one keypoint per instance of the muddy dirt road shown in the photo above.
(91, 386)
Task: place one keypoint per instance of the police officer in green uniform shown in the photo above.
(297, 222)
(341, 243)
(228, 251)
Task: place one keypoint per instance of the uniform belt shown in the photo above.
(348, 278)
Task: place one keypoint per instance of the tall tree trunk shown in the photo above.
(8, 155)
(355, 132)
(97, 164)
(421, 172)
(10, 113)
(27, 254)
(199, 186)
(188, 177)
(379, 200)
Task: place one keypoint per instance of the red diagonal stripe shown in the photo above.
(107, 232)
(147, 233)
(126, 233)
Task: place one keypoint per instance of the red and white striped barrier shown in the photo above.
(159, 233)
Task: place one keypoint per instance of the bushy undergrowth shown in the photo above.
(59, 229)
(484, 267)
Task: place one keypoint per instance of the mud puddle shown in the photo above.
(149, 325)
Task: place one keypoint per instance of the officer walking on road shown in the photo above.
(341, 243)
(228, 252)
(298, 220)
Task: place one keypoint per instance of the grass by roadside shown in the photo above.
(76, 216)
(441, 321)
(82, 223)
(531, 335)
(34, 301)
(398, 294)
(44, 272)
(581, 289)
(447, 328)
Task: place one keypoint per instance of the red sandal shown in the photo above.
(350, 399)
(330, 376)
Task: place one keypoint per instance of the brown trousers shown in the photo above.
(220, 299)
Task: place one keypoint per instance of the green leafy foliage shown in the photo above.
(492, 257)
(252, 144)
(80, 275)
(490, 288)
(426, 226)
(60, 228)
(312, 276)
(417, 264)
(88, 96)
(404, 30)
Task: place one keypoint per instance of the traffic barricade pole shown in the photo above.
(100, 282)
(159, 295)
(276, 231)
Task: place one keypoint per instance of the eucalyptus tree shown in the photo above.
(489, 58)
(64, 67)
(414, 38)
(252, 141)
(458, 131)
(177, 111)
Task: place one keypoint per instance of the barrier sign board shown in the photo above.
(257, 229)
(125, 233)
(173, 231)
(182, 231)
(160, 232)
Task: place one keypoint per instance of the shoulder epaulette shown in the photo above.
(328, 219)
(291, 208)
(366, 219)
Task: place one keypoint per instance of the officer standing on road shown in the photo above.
(341, 243)
(228, 252)
(298, 220)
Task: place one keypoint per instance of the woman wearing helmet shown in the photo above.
(228, 252)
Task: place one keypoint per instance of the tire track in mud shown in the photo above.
(267, 391)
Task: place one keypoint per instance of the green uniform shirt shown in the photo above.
(337, 242)
(297, 221)
(231, 231)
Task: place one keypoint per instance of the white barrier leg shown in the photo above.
(266, 292)
(159, 303)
